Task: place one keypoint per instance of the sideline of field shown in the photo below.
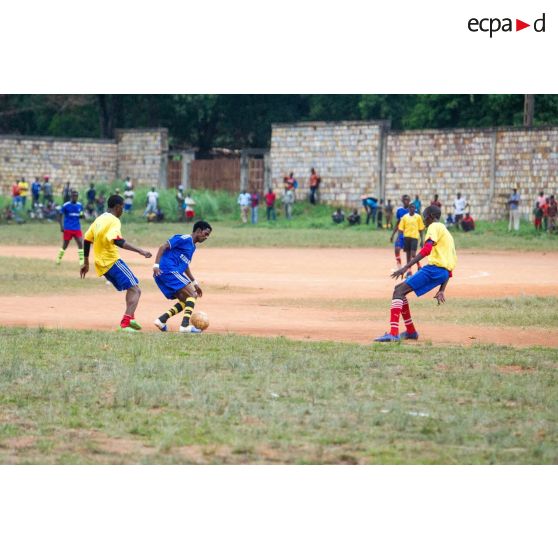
(309, 233)
(101, 397)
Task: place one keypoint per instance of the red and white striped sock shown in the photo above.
(395, 312)
(406, 313)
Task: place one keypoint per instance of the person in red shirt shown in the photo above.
(314, 185)
(270, 205)
(436, 201)
(16, 195)
(468, 223)
(552, 214)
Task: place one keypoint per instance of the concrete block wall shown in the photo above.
(143, 155)
(354, 158)
(441, 162)
(345, 154)
(526, 160)
(78, 161)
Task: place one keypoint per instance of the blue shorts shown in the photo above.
(121, 276)
(170, 282)
(427, 278)
(399, 242)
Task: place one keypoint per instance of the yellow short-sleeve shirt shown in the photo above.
(102, 233)
(411, 225)
(443, 253)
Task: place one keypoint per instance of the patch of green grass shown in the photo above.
(520, 311)
(96, 397)
(311, 226)
(28, 277)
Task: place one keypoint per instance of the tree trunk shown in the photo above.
(529, 110)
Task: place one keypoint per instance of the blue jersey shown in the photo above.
(180, 255)
(400, 212)
(72, 212)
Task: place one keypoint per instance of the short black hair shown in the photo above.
(115, 200)
(432, 210)
(201, 225)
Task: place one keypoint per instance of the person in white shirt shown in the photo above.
(152, 198)
(244, 201)
(459, 206)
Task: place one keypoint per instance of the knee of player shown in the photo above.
(399, 291)
(136, 290)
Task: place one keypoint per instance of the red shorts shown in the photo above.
(68, 235)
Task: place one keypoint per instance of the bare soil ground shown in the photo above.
(247, 291)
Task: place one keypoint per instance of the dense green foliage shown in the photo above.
(237, 121)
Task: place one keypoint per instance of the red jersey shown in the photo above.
(270, 199)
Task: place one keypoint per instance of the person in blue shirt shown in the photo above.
(370, 204)
(418, 204)
(35, 191)
(68, 217)
(399, 243)
(174, 278)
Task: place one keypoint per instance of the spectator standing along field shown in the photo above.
(36, 191)
(315, 181)
(288, 202)
(23, 191)
(270, 198)
(152, 200)
(459, 206)
(513, 204)
(244, 201)
(254, 203)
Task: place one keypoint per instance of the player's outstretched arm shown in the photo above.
(422, 254)
(121, 243)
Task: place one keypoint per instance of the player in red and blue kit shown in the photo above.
(399, 242)
(70, 227)
(174, 278)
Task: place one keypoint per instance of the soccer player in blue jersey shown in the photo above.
(174, 278)
(70, 227)
(399, 242)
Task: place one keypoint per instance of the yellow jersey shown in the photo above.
(411, 225)
(102, 233)
(443, 253)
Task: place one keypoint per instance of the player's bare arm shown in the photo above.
(85, 267)
(194, 282)
(162, 249)
(395, 230)
(401, 271)
(440, 296)
(121, 243)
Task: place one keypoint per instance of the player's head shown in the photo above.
(74, 195)
(431, 213)
(201, 231)
(115, 204)
(405, 200)
(412, 209)
(458, 195)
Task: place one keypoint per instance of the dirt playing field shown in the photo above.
(251, 291)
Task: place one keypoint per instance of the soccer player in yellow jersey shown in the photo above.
(104, 233)
(412, 227)
(442, 259)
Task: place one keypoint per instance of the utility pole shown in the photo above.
(529, 111)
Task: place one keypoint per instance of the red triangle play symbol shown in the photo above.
(519, 25)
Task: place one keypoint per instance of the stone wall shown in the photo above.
(347, 155)
(354, 158)
(142, 155)
(77, 161)
(440, 162)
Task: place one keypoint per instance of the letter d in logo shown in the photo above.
(539, 24)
